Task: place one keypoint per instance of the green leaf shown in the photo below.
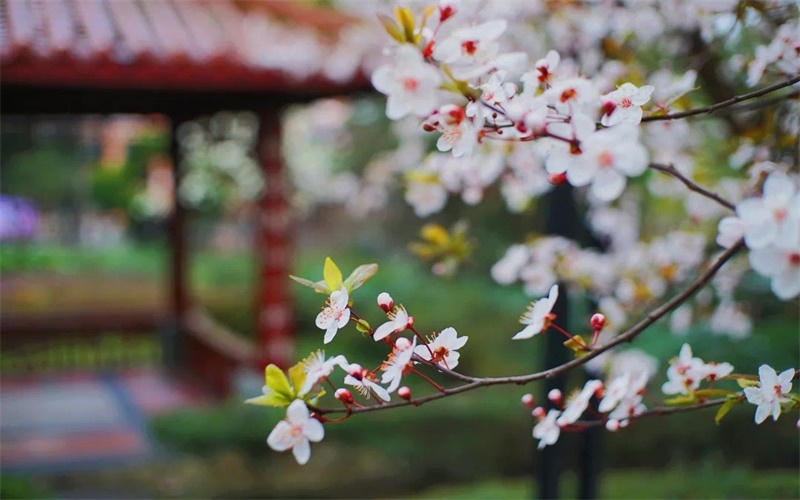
(363, 327)
(724, 409)
(745, 383)
(391, 27)
(406, 19)
(360, 275)
(680, 400)
(297, 376)
(577, 345)
(276, 381)
(273, 399)
(708, 393)
(319, 286)
(332, 274)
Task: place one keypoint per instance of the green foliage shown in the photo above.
(46, 175)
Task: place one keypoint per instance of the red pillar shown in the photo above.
(272, 249)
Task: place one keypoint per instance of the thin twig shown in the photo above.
(659, 411)
(627, 336)
(723, 104)
(671, 170)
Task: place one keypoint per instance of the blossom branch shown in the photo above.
(660, 411)
(723, 104)
(671, 170)
(626, 336)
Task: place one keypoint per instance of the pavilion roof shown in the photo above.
(225, 45)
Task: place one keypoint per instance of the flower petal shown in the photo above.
(314, 430)
(281, 439)
(302, 451)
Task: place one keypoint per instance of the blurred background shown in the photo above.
(162, 172)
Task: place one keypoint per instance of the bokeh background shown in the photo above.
(87, 206)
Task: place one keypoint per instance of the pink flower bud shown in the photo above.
(404, 392)
(612, 425)
(624, 423)
(427, 52)
(554, 396)
(558, 179)
(356, 371)
(538, 412)
(385, 302)
(598, 321)
(402, 343)
(528, 400)
(344, 396)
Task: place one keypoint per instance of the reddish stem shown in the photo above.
(427, 379)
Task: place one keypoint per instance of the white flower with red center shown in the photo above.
(444, 348)
(575, 95)
(296, 431)
(578, 404)
(547, 430)
(607, 158)
(538, 316)
(365, 383)
(685, 373)
(399, 320)
(782, 266)
(335, 315)
(624, 387)
(624, 105)
(399, 363)
(543, 74)
(494, 92)
(714, 371)
(459, 134)
(410, 83)
(773, 218)
(473, 51)
(425, 194)
(771, 392)
(316, 368)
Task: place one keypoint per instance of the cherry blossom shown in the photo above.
(296, 431)
(607, 157)
(409, 83)
(471, 52)
(579, 403)
(316, 367)
(459, 134)
(624, 105)
(538, 316)
(444, 347)
(365, 384)
(574, 95)
(399, 363)
(782, 266)
(399, 320)
(773, 218)
(685, 373)
(770, 393)
(547, 430)
(335, 315)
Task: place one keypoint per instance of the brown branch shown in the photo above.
(627, 336)
(723, 104)
(659, 411)
(671, 170)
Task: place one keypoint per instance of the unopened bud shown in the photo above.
(598, 321)
(612, 425)
(385, 302)
(402, 343)
(356, 371)
(624, 423)
(427, 52)
(558, 179)
(554, 396)
(538, 412)
(528, 400)
(404, 392)
(344, 396)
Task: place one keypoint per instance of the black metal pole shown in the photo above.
(562, 219)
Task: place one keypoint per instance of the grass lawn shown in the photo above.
(670, 483)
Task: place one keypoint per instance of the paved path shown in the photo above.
(54, 424)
